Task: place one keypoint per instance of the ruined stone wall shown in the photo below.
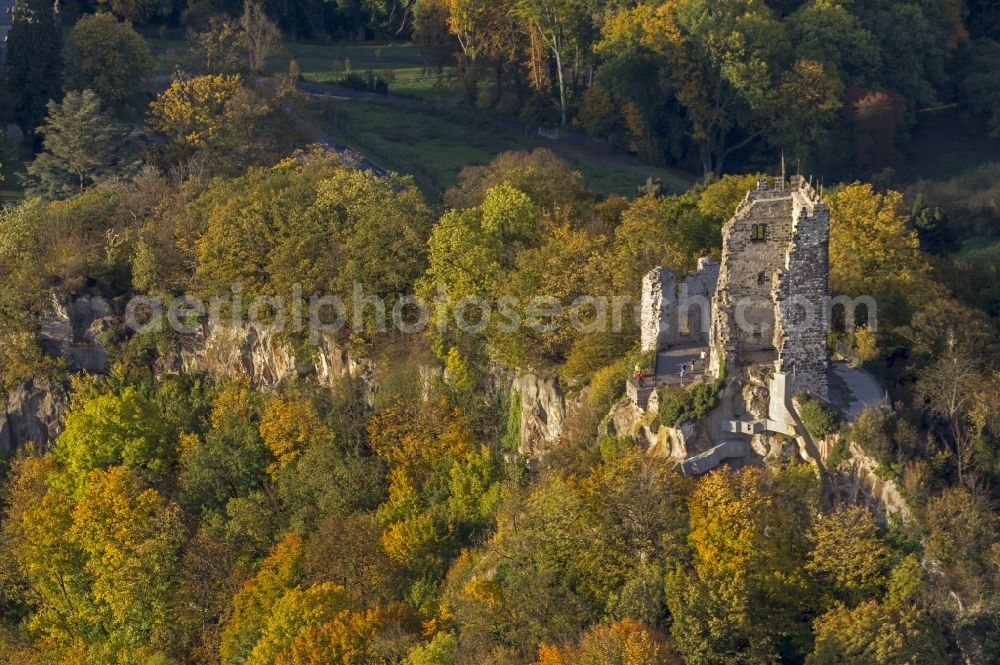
(767, 286)
(694, 306)
(801, 299)
(659, 307)
(671, 315)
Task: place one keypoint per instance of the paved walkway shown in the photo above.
(865, 390)
(668, 364)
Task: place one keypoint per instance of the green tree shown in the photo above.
(978, 85)
(137, 11)
(828, 32)
(872, 634)
(962, 536)
(83, 146)
(848, 554)
(34, 60)
(111, 59)
(114, 429)
(230, 461)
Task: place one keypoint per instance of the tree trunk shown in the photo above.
(562, 84)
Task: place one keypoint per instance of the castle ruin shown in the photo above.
(770, 304)
(760, 316)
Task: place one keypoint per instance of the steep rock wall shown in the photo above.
(32, 414)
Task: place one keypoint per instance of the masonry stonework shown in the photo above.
(673, 313)
(659, 305)
(770, 302)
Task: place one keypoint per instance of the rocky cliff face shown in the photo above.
(627, 419)
(77, 330)
(242, 351)
(856, 480)
(32, 414)
(545, 413)
(74, 329)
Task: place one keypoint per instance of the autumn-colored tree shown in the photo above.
(414, 438)
(469, 251)
(558, 291)
(625, 642)
(872, 634)
(748, 541)
(431, 33)
(874, 252)
(219, 117)
(313, 222)
(102, 566)
(280, 572)
(951, 391)
(260, 34)
(218, 48)
(848, 554)
(293, 615)
(548, 181)
(289, 426)
(561, 25)
(381, 634)
(877, 117)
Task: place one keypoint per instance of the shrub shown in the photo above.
(367, 82)
(511, 440)
(841, 453)
(871, 431)
(608, 384)
(679, 405)
(819, 420)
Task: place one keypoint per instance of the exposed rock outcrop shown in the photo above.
(545, 411)
(32, 413)
(679, 442)
(856, 480)
(74, 329)
(627, 419)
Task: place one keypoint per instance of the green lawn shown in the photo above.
(435, 145)
(432, 145)
(10, 186)
(980, 247)
(328, 63)
(402, 63)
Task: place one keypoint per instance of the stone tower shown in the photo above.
(770, 305)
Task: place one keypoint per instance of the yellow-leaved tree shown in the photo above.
(290, 426)
(217, 117)
(875, 252)
(625, 642)
(100, 567)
